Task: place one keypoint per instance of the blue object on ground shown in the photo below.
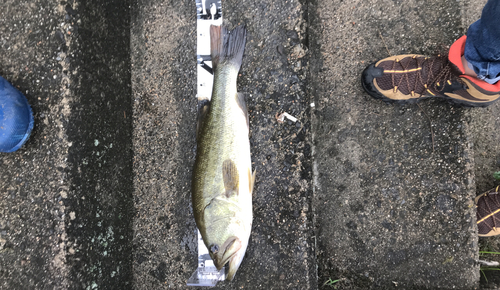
(16, 118)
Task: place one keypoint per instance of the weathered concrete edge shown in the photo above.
(99, 200)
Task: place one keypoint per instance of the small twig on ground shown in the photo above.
(430, 124)
(385, 44)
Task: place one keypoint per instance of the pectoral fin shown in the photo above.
(230, 177)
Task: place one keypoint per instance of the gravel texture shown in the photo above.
(375, 196)
(392, 183)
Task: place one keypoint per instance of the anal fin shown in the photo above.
(251, 178)
(240, 99)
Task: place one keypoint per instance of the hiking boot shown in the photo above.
(488, 213)
(409, 78)
(16, 117)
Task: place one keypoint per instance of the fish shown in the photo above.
(222, 181)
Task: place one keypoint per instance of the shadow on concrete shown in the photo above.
(100, 203)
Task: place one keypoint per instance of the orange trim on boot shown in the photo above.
(456, 51)
(455, 56)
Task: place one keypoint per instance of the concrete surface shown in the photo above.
(281, 249)
(66, 199)
(392, 183)
(33, 181)
(484, 125)
(100, 158)
(356, 190)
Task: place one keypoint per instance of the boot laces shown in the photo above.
(492, 206)
(431, 74)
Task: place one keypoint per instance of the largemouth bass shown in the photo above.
(222, 182)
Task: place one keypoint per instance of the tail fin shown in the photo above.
(227, 46)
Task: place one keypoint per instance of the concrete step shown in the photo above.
(281, 255)
(356, 190)
(107, 170)
(393, 184)
(67, 195)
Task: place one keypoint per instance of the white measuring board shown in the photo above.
(208, 12)
(206, 274)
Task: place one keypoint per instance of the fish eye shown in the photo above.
(214, 248)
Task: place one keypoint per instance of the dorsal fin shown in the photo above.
(230, 177)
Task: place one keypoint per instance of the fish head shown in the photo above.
(232, 251)
(225, 228)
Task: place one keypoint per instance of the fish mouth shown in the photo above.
(231, 251)
(225, 252)
(234, 264)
